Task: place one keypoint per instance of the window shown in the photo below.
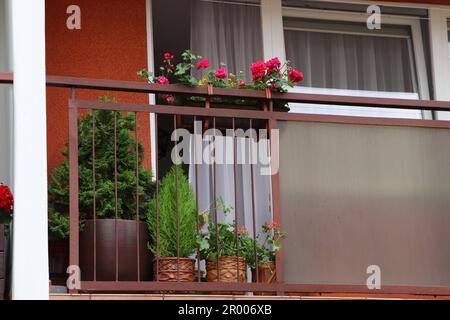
(448, 34)
(340, 55)
(347, 56)
(228, 31)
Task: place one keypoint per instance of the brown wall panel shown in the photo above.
(360, 195)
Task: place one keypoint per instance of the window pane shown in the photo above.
(356, 61)
(227, 32)
(448, 32)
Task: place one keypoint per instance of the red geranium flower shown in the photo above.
(168, 56)
(221, 73)
(6, 200)
(203, 64)
(162, 80)
(273, 64)
(295, 76)
(258, 70)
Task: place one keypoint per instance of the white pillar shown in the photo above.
(272, 26)
(30, 272)
(440, 56)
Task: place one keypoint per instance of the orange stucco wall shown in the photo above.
(112, 44)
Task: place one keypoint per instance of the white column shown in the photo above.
(272, 26)
(150, 68)
(30, 247)
(440, 56)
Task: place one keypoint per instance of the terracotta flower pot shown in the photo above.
(228, 266)
(266, 274)
(105, 264)
(170, 270)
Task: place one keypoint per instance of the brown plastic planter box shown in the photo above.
(105, 262)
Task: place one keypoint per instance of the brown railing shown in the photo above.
(267, 117)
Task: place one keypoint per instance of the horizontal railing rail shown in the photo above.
(142, 87)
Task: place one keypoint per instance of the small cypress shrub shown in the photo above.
(167, 203)
(58, 189)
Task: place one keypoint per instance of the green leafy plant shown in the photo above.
(223, 240)
(268, 244)
(58, 189)
(169, 208)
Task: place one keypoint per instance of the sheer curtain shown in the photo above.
(229, 33)
(356, 62)
(353, 64)
(225, 183)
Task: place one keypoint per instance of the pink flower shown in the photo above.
(162, 80)
(242, 230)
(168, 56)
(203, 64)
(221, 73)
(258, 70)
(242, 84)
(273, 65)
(274, 225)
(295, 76)
(169, 98)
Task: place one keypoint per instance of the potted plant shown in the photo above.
(268, 243)
(111, 218)
(6, 211)
(219, 247)
(172, 224)
(271, 75)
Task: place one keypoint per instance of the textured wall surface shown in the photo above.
(112, 44)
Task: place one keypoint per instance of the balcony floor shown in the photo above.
(240, 297)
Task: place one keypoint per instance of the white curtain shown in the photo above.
(225, 182)
(356, 62)
(229, 33)
(353, 65)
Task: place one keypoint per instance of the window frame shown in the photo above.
(416, 38)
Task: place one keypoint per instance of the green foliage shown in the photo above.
(268, 244)
(168, 208)
(224, 239)
(104, 173)
(183, 69)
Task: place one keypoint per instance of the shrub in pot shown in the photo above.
(172, 224)
(219, 247)
(106, 212)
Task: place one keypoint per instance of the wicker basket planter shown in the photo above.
(266, 274)
(169, 269)
(228, 267)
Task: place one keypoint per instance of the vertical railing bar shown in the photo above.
(177, 200)
(74, 254)
(116, 196)
(136, 128)
(196, 199)
(235, 196)
(94, 187)
(215, 199)
(253, 199)
(276, 201)
(157, 195)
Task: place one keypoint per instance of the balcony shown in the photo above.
(352, 193)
